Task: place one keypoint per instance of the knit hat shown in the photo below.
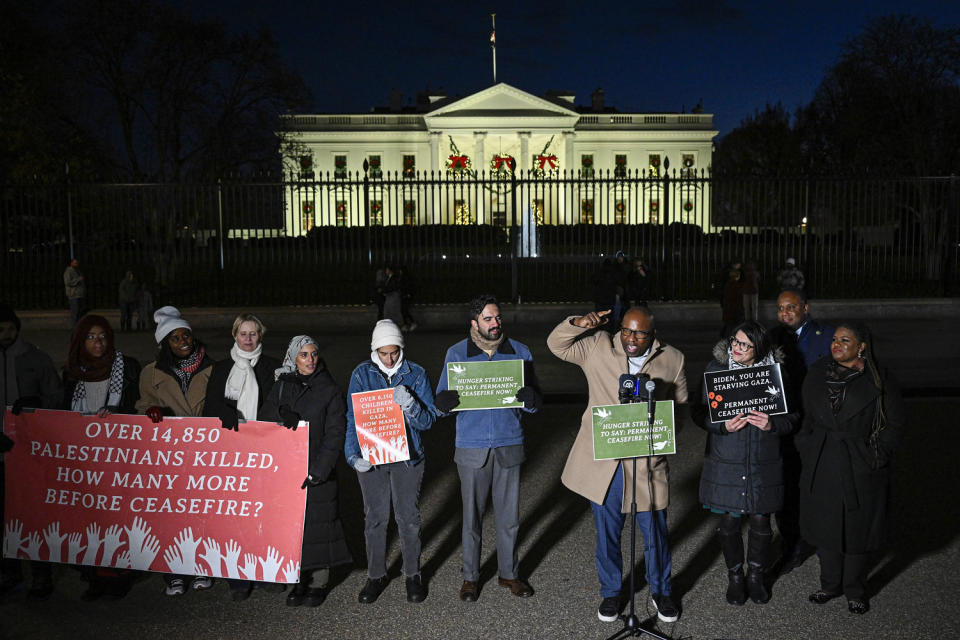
(7, 314)
(386, 333)
(168, 319)
(791, 261)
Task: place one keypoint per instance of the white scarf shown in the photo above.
(388, 372)
(242, 381)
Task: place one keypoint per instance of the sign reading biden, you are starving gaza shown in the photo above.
(624, 430)
(737, 391)
(179, 496)
(491, 384)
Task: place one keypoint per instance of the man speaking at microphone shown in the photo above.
(607, 484)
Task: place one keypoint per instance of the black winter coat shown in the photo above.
(844, 486)
(319, 401)
(128, 396)
(216, 405)
(743, 471)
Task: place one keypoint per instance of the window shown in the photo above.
(376, 213)
(409, 167)
(375, 169)
(342, 213)
(586, 211)
(340, 166)
(620, 212)
(586, 165)
(306, 215)
(409, 212)
(620, 165)
(653, 162)
(654, 211)
(306, 168)
(538, 212)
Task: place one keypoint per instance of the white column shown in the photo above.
(524, 150)
(433, 201)
(480, 166)
(569, 208)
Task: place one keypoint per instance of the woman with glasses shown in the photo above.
(742, 474)
(853, 422)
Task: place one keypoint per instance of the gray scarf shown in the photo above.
(289, 364)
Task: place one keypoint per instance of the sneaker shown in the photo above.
(666, 610)
(609, 609)
(175, 587)
(201, 583)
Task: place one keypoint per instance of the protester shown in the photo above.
(99, 379)
(398, 482)
(742, 476)
(237, 390)
(27, 379)
(751, 291)
(803, 341)
(144, 307)
(76, 290)
(304, 390)
(790, 277)
(176, 385)
(853, 422)
(489, 449)
(127, 300)
(608, 484)
(638, 288)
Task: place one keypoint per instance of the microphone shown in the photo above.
(639, 393)
(650, 386)
(627, 388)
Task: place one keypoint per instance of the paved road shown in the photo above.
(916, 582)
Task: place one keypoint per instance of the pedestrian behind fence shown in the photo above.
(76, 289)
(127, 300)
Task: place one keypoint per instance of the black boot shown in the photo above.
(759, 540)
(731, 543)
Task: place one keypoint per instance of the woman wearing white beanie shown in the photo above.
(176, 385)
(387, 368)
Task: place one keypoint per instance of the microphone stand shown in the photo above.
(631, 623)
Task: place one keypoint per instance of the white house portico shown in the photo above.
(498, 133)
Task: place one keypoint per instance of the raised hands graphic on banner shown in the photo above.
(271, 564)
(13, 538)
(93, 544)
(111, 542)
(231, 557)
(54, 541)
(291, 571)
(249, 568)
(74, 546)
(33, 546)
(211, 555)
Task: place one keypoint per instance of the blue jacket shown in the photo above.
(368, 377)
(491, 428)
(814, 340)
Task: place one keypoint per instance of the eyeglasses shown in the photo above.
(746, 346)
(639, 334)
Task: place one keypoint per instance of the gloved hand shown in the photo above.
(230, 419)
(5, 443)
(22, 403)
(155, 413)
(310, 481)
(362, 465)
(530, 398)
(290, 418)
(447, 400)
(403, 397)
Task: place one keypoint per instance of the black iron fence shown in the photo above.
(531, 237)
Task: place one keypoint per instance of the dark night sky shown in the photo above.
(661, 56)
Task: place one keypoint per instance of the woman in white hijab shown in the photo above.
(236, 391)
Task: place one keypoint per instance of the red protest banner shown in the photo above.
(380, 429)
(181, 496)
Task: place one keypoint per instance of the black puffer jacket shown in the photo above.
(743, 471)
(319, 401)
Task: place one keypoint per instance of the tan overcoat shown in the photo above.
(603, 360)
(161, 389)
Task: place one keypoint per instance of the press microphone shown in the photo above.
(650, 386)
(627, 388)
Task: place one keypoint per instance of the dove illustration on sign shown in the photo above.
(659, 445)
(509, 400)
(458, 369)
(603, 413)
(773, 391)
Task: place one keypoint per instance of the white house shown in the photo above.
(450, 160)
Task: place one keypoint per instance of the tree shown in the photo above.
(890, 106)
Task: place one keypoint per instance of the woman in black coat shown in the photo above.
(853, 421)
(304, 390)
(742, 469)
(236, 391)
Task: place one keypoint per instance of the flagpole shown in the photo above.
(493, 44)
